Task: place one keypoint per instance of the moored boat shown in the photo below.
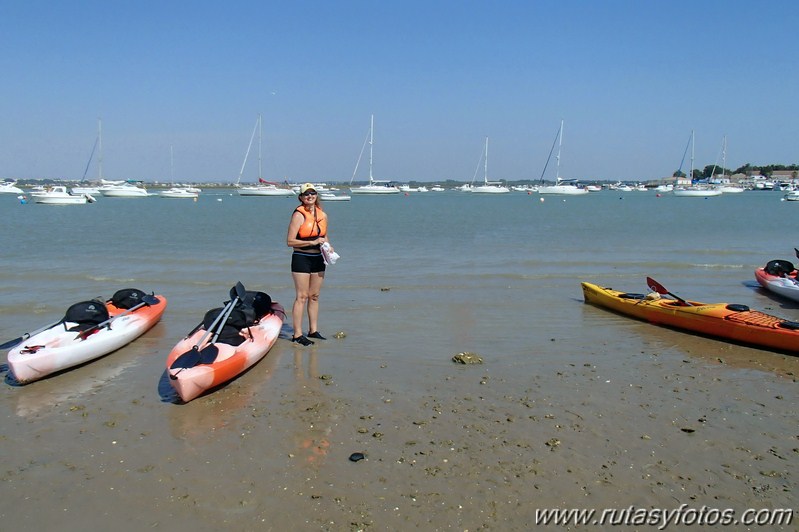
(329, 196)
(125, 190)
(9, 187)
(488, 187)
(179, 193)
(696, 192)
(89, 330)
(562, 187)
(228, 342)
(58, 195)
(375, 186)
(732, 322)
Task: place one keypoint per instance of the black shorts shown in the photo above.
(307, 262)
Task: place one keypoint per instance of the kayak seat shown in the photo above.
(779, 267)
(85, 315)
(127, 298)
(632, 296)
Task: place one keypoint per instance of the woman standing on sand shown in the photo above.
(307, 232)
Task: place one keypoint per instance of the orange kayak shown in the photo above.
(191, 374)
(737, 323)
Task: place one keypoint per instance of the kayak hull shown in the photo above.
(736, 323)
(783, 286)
(57, 349)
(231, 361)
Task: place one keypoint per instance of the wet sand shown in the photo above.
(651, 418)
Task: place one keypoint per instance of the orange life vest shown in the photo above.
(314, 225)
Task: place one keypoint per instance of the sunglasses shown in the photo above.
(309, 193)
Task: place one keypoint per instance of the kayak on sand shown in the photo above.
(226, 343)
(88, 330)
(779, 277)
(732, 322)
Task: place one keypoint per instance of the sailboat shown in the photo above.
(561, 186)
(264, 187)
(92, 189)
(374, 186)
(488, 187)
(724, 184)
(177, 192)
(115, 189)
(694, 191)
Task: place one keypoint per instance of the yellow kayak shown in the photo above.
(733, 322)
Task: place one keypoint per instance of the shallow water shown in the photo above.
(421, 277)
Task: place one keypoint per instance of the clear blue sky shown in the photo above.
(631, 79)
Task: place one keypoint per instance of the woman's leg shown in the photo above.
(302, 285)
(314, 287)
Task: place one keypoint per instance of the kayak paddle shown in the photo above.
(660, 289)
(145, 300)
(16, 341)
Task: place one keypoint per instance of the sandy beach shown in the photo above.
(466, 447)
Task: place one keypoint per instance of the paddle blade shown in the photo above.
(238, 291)
(660, 289)
(150, 299)
(656, 286)
(208, 354)
(12, 343)
(189, 359)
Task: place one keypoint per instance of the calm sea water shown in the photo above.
(420, 275)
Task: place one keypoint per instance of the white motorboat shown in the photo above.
(9, 187)
(86, 190)
(178, 193)
(730, 189)
(563, 187)
(58, 195)
(374, 186)
(328, 196)
(125, 190)
(437, 188)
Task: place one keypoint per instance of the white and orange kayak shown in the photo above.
(66, 344)
(779, 277)
(198, 364)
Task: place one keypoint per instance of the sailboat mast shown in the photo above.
(171, 165)
(485, 169)
(691, 169)
(557, 158)
(100, 155)
(249, 147)
(371, 143)
(260, 131)
(724, 155)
